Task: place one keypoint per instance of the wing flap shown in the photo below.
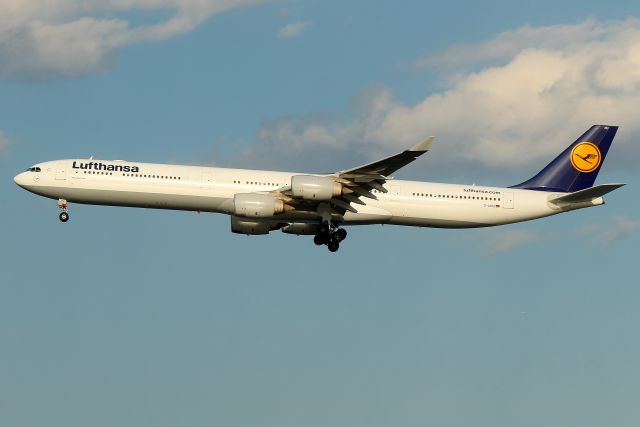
(344, 205)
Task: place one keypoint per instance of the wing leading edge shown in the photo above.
(389, 165)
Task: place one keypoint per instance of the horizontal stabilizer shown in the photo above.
(586, 194)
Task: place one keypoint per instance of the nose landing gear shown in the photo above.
(64, 215)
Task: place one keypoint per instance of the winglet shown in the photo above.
(424, 145)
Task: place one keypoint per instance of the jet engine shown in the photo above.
(257, 205)
(310, 187)
(241, 226)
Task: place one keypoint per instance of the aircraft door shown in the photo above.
(507, 200)
(61, 171)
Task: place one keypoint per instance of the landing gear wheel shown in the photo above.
(340, 234)
(333, 245)
(64, 217)
(319, 239)
(323, 228)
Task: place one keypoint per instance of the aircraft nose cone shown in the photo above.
(20, 179)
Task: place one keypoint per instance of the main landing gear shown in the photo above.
(64, 215)
(330, 235)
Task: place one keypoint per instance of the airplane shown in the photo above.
(259, 202)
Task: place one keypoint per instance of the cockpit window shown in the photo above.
(34, 169)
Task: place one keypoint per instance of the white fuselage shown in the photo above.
(207, 189)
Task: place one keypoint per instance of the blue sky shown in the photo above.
(136, 317)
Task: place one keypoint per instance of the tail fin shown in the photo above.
(577, 167)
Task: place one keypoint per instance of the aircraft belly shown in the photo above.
(436, 222)
(141, 199)
(367, 214)
(447, 215)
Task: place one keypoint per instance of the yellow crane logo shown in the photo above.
(585, 157)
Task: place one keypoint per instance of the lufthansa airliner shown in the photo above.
(259, 202)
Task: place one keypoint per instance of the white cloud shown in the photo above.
(293, 29)
(500, 242)
(608, 234)
(553, 83)
(61, 38)
(509, 43)
(602, 235)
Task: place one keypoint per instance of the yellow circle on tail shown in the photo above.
(585, 157)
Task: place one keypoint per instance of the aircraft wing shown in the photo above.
(360, 182)
(389, 165)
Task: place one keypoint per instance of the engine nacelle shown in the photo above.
(241, 226)
(257, 205)
(300, 228)
(310, 187)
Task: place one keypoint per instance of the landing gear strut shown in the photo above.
(329, 235)
(64, 215)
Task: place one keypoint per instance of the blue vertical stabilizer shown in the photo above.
(577, 167)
